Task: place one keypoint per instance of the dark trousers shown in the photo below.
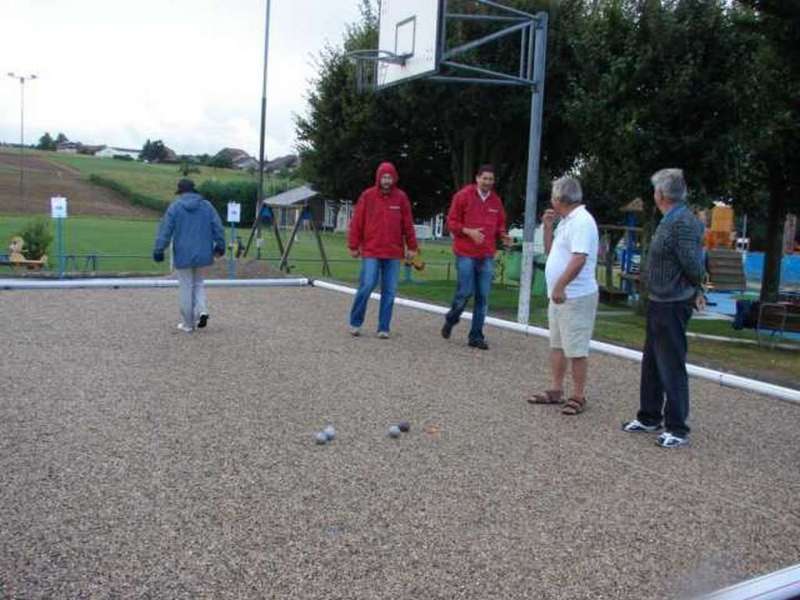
(664, 367)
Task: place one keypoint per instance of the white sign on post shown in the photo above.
(234, 212)
(58, 207)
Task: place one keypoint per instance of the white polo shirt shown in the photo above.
(575, 233)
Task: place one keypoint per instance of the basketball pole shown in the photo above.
(532, 184)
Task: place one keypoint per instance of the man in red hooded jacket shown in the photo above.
(381, 233)
(476, 221)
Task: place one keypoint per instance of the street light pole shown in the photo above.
(260, 198)
(22, 79)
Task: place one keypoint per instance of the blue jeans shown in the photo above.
(474, 278)
(388, 269)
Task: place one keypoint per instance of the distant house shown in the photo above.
(284, 163)
(245, 162)
(111, 152)
(68, 147)
(89, 150)
(234, 154)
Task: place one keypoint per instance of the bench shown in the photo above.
(778, 318)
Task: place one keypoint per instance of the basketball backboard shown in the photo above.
(409, 29)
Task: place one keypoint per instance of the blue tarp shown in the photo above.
(790, 268)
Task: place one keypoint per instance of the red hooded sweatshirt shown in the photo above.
(469, 210)
(382, 220)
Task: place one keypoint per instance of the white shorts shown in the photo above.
(572, 324)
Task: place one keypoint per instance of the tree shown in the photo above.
(436, 134)
(153, 151)
(61, 138)
(771, 121)
(656, 87)
(46, 142)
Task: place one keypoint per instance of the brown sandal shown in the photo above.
(574, 406)
(549, 397)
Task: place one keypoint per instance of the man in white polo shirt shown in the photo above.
(573, 292)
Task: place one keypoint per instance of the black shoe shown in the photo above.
(203, 321)
(447, 329)
(480, 344)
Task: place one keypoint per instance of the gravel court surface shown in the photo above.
(139, 462)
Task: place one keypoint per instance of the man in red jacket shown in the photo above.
(381, 233)
(476, 221)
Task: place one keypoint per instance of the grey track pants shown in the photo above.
(191, 295)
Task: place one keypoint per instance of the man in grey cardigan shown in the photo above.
(675, 273)
(195, 229)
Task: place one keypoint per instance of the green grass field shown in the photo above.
(157, 181)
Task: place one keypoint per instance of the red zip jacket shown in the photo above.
(468, 210)
(382, 221)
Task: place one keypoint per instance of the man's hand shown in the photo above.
(410, 254)
(549, 218)
(700, 302)
(507, 241)
(158, 255)
(355, 252)
(476, 235)
(559, 296)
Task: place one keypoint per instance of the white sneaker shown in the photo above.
(184, 328)
(355, 331)
(637, 426)
(667, 440)
(384, 335)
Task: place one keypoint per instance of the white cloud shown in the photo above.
(186, 71)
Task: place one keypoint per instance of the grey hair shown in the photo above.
(568, 190)
(671, 183)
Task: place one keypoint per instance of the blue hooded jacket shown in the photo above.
(194, 227)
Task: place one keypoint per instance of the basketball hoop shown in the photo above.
(368, 66)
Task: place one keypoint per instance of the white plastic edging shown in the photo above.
(780, 585)
(63, 284)
(723, 379)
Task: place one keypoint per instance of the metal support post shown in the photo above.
(531, 189)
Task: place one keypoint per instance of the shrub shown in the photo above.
(220, 193)
(37, 237)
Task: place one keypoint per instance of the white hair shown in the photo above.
(568, 190)
(671, 183)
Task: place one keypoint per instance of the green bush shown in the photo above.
(37, 237)
(220, 193)
(244, 192)
(133, 197)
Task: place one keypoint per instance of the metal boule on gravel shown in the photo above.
(394, 431)
(320, 437)
(404, 426)
(330, 432)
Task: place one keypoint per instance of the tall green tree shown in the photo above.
(436, 133)
(153, 151)
(771, 123)
(656, 87)
(46, 142)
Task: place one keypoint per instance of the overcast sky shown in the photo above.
(186, 71)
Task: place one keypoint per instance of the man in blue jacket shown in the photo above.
(196, 232)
